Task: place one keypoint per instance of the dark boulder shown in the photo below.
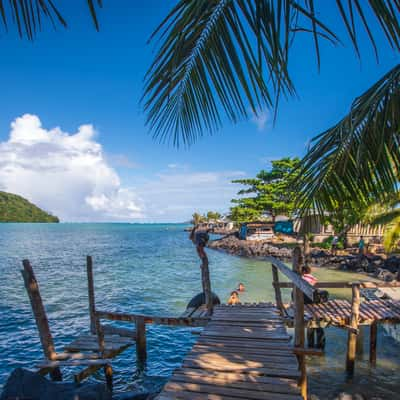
(25, 384)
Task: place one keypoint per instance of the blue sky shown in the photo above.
(68, 78)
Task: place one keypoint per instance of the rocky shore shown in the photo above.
(380, 266)
(233, 245)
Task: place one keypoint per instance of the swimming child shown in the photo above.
(234, 298)
(241, 287)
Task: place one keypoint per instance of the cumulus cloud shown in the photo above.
(174, 196)
(66, 174)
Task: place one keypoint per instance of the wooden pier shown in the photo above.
(244, 352)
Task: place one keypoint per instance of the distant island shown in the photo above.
(14, 208)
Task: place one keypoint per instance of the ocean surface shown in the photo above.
(151, 269)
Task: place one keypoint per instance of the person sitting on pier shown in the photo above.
(200, 239)
(240, 287)
(308, 276)
(234, 298)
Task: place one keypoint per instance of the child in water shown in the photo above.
(234, 298)
(240, 287)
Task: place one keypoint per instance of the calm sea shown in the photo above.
(151, 269)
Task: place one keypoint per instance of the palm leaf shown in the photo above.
(392, 236)
(358, 159)
(225, 58)
(27, 15)
(386, 218)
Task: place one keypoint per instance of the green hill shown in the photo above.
(14, 208)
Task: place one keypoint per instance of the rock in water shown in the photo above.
(25, 384)
(200, 299)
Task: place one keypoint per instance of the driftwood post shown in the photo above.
(39, 313)
(278, 295)
(92, 304)
(206, 281)
(141, 351)
(352, 336)
(298, 299)
(372, 343)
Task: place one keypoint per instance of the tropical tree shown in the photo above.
(271, 192)
(197, 218)
(357, 159)
(28, 15)
(213, 216)
(222, 58)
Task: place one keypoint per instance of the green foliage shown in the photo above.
(217, 59)
(213, 216)
(271, 192)
(28, 15)
(356, 162)
(210, 216)
(387, 214)
(14, 208)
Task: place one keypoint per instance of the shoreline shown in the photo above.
(382, 267)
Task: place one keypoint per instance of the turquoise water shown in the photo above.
(150, 269)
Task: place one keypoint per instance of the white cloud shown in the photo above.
(174, 196)
(66, 174)
(261, 119)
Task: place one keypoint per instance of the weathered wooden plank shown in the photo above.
(232, 377)
(71, 363)
(297, 280)
(228, 391)
(42, 323)
(116, 330)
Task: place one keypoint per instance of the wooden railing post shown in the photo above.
(372, 343)
(278, 294)
(298, 299)
(42, 323)
(141, 350)
(92, 304)
(206, 282)
(352, 336)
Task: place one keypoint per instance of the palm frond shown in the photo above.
(28, 15)
(358, 159)
(219, 58)
(392, 236)
(386, 218)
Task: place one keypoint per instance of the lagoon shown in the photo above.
(152, 269)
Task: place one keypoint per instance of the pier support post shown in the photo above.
(206, 281)
(92, 306)
(141, 351)
(42, 323)
(372, 343)
(278, 295)
(352, 337)
(298, 298)
(360, 344)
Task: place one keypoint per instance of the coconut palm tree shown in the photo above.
(387, 214)
(221, 59)
(225, 58)
(357, 160)
(28, 15)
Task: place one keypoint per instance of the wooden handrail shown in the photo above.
(296, 279)
(345, 284)
(148, 319)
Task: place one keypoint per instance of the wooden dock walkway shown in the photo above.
(244, 352)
